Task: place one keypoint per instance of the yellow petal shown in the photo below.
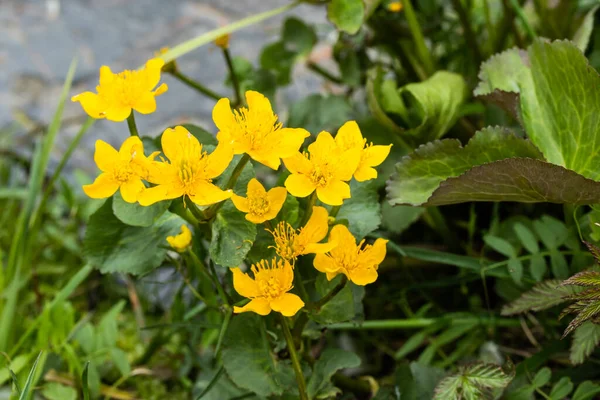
(222, 115)
(152, 70)
(257, 101)
(92, 104)
(324, 147)
(106, 76)
(104, 186)
(285, 275)
(288, 304)
(291, 141)
(362, 276)
(375, 155)
(319, 248)
(364, 173)
(132, 147)
(276, 198)
(207, 194)
(182, 241)
(373, 256)
(175, 140)
(316, 228)
(158, 193)
(267, 158)
(117, 112)
(349, 136)
(298, 164)
(105, 156)
(324, 263)
(244, 285)
(256, 219)
(259, 305)
(346, 248)
(130, 190)
(299, 185)
(241, 203)
(219, 160)
(334, 193)
(146, 104)
(256, 189)
(347, 164)
(161, 89)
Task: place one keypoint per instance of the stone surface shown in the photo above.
(39, 38)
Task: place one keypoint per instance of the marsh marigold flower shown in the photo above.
(189, 170)
(269, 288)
(123, 169)
(358, 262)
(256, 131)
(349, 137)
(395, 6)
(326, 170)
(260, 205)
(119, 93)
(291, 243)
(181, 241)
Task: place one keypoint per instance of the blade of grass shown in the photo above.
(212, 383)
(15, 381)
(25, 394)
(13, 193)
(84, 382)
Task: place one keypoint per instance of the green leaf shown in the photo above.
(419, 174)
(247, 357)
(542, 296)
(503, 71)
(527, 238)
(318, 112)
(112, 246)
(542, 377)
(277, 58)
(346, 15)
(515, 269)
(298, 37)
(433, 105)
(108, 330)
(558, 264)
(380, 97)
(397, 219)
(27, 391)
(119, 358)
(417, 381)
(345, 306)
(84, 382)
(56, 391)
(562, 388)
(586, 391)
(232, 236)
(538, 267)
(449, 335)
(584, 278)
(584, 32)
(552, 232)
(362, 210)
(585, 340)
(331, 361)
(472, 382)
(136, 215)
(500, 245)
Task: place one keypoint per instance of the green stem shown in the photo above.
(325, 299)
(196, 85)
(294, 357)
(200, 265)
(469, 35)
(418, 323)
(312, 200)
(133, 131)
(490, 26)
(417, 34)
(316, 68)
(521, 15)
(234, 79)
(212, 211)
(435, 219)
(334, 211)
(197, 213)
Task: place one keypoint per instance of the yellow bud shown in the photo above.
(170, 66)
(395, 6)
(223, 41)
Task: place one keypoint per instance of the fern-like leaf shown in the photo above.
(585, 278)
(585, 340)
(588, 312)
(474, 381)
(595, 250)
(542, 296)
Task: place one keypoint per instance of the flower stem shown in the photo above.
(294, 357)
(133, 131)
(312, 200)
(417, 34)
(470, 37)
(334, 211)
(325, 299)
(521, 15)
(200, 265)
(234, 79)
(237, 171)
(196, 85)
(316, 68)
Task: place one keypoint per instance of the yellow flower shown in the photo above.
(119, 93)
(189, 171)
(256, 131)
(223, 41)
(349, 137)
(269, 288)
(260, 205)
(122, 169)
(358, 263)
(395, 6)
(325, 171)
(182, 241)
(291, 243)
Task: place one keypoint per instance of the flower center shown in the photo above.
(123, 172)
(321, 176)
(254, 127)
(284, 236)
(267, 277)
(258, 205)
(270, 287)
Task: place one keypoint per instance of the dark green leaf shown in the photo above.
(298, 37)
(558, 264)
(538, 267)
(112, 246)
(562, 388)
(542, 377)
(136, 215)
(232, 236)
(317, 112)
(586, 391)
(346, 15)
(585, 340)
(543, 295)
(515, 269)
(345, 306)
(527, 238)
(397, 219)
(500, 245)
(362, 210)
(277, 58)
(328, 364)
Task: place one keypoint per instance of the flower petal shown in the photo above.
(241, 203)
(117, 113)
(267, 158)
(256, 189)
(349, 137)
(175, 140)
(158, 193)
(258, 102)
(152, 71)
(206, 194)
(104, 186)
(334, 193)
(131, 148)
(160, 90)
(92, 104)
(298, 164)
(276, 196)
(362, 276)
(324, 263)
(316, 228)
(146, 104)
(106, 76)
(347, 164)
(365, 173)
(346, 243)
(291, 141)
(374, 255)
(130, 190)
(105, 155)
(288, 304)
(299, 185)
(244, 285)
(223, 116)
(259, 305)
(324, 147)
(319, 248)
(219, 160)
